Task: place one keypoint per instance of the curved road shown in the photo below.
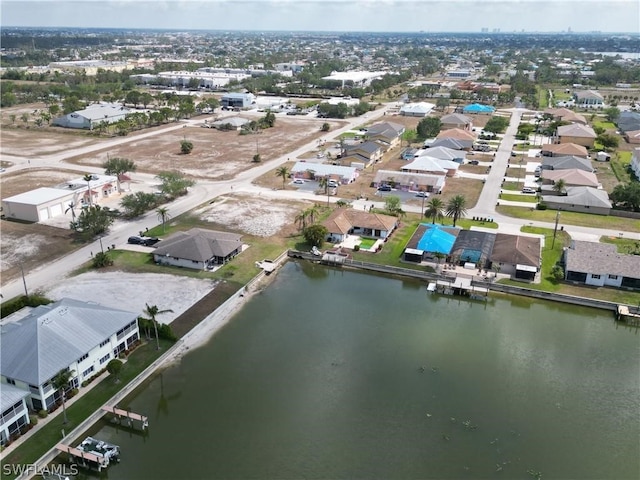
(204, 191)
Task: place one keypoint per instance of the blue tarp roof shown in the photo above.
(478, 108)
(436, 240)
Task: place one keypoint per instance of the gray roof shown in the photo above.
(567, 162)
(54, 336)
(199, 244)
(10, 395)
(385, 126)
(455, 118)
(576, 130)
(584, 196)
(451, 143)
(444, 153)
(99, 111)
(368, 147)
(600, 259)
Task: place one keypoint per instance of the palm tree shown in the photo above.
(87, 178)
(560, 186)
(456, 208)
(301, 220)
(284, 173)
(312, 213)
(61, 382)
(163, 216)
(152, 311)
(71, 208)
(435, 207)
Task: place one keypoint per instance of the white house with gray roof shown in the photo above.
(66, 335)
(600, 264)
(91, 116)
(15, 413)
(314, 171)
(580, 199)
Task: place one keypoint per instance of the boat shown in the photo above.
(431, 287)
(106, 452)
(267, 266)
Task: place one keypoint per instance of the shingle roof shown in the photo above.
(567, 162)
(576, 130)
(516, 250)
(444, 153)
(52, 337)
(600, 259)
(585, 196)
(565, 149)
(457, 134)
(455, 119)
(425, 164)
(452, 143)
(199, 244)
(343, 219)
(571, 176)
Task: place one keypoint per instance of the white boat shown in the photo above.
(431, 287)
(108, 452)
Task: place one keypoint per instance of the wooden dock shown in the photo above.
(130, 416)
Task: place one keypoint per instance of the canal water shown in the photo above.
(331, 374)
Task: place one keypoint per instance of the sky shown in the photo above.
(330, 15)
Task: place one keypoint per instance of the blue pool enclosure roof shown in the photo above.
(436, 240)
(478, 108)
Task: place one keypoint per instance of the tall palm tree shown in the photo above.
(312, 213)
(87, 178)
(61, 382)
(152, 311)
(301, 220)
(71, 208)
(456, 208)
(560, 186)
(435, 209)
(163, 216)
(284, 173)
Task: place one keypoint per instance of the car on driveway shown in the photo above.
(299, 181)
(422, 194)
(384, 188)
(473, 162)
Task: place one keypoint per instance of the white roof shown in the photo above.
(425, 164)
(422, 107)
(354, 76)
(10, 395)
(40, 195)
(323, 169)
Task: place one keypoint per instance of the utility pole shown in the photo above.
(24, 282)
(555, 230)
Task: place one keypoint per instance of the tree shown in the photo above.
(118, 166)
(186, 147)
(392, 204)
(135, 204)
(284, 173)
(101, 260)
(174, 184)
(163, 216)
(456, 208)
(409, 136)
(71, 208)
(114, 367)
(627, 194)
(301, 220)
(442, 103)
(428, 127)
(61, 382)
(92, 221)
(315, 234)
(312, 213)
(435, 209)
(608, 141)
(496, 124)
(560, 186)
(152, 311)
(612, 113)
(256, 158)
(325, 127)
(87, 178)
(557, 272)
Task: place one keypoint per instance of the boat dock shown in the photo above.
(91, 453)
(624, 314)
(459, 286)
(129, 416)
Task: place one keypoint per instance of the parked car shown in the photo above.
(332, 183)
(422, 194)
(384, 188)
(528, 190)
(299, 181)
(146, 241)
(474, 162)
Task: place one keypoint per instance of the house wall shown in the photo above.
(72, 120)
(12, 419)
(577, 208)
(179, 262)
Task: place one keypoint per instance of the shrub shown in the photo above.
(356, 248)
(541, 206)
(43, 413)
(33, 419)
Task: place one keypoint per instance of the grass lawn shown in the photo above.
(518, 198)
(604, 124)
(36, 446)
(624, 245)
(367, 243)
(615, 224)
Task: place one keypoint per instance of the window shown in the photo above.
(106, 342)
(87, 371)
(105, 358)
(83, 357)
(11, 381)
(595, 277)
(613, 277)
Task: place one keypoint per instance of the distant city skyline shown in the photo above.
(613, 16)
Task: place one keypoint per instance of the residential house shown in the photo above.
(472, 246)
(600, 264)
(65, 335)
(565, 163)
(434, 166)
(632, 137)
(410, 182)
(444, 153)
(517, 255)
(456, 120)
(315, 171)
(566, 115)
(463, 137)
(44, 203)
(90, 117)
(576, 133)
(421, 109)
(15, 413)
(370, 150)
(588, 99)
(628, 121)
(563, 149)
(572, 177)
(388, 134)
(347, 221)
(430, 243)
(580, 199)
(198, 249)
(450, 143)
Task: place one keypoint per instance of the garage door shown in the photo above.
(55, 210)
(43, 214)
